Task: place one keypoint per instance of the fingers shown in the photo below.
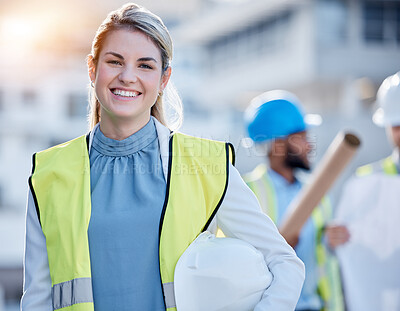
(337, 235)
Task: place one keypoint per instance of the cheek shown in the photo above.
(302, 147)
(396, 136)
(152, 84)
(103, 74)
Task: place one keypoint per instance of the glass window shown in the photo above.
(263, 36)
(381, 21)
(29, 97)
(332, 21)
(77, 105)
(373, 22)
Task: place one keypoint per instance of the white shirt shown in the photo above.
(239, 216)
(370, 261)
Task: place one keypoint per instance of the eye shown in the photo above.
(145, 66)
(114, 62)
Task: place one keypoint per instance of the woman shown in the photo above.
(110, 213)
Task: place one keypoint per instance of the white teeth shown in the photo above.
(125, 93)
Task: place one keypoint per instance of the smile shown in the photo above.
(123, 93)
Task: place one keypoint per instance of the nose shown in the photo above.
(128, 75)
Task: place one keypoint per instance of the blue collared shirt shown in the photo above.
(306, 247)
(128, 192)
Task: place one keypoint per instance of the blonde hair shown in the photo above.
(136, 18)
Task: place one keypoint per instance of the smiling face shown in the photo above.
(128, 77)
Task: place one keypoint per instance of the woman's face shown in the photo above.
(128, 77)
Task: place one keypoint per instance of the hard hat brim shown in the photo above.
(383, 120)
(378, 117)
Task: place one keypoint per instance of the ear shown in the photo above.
(165, 78)
(91, 68)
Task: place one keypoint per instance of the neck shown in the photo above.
(121, 129)
(279, 166)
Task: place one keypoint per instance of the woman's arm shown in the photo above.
(240, 216)
(37, 282)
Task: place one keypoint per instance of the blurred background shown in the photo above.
(333, 54)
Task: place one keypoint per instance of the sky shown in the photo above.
(69, 26)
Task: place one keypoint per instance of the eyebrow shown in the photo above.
(116, 55)
(147, 59)
(142, 59)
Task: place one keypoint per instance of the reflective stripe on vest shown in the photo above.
(72, 292)
(329, 284)
(60, 183)
(386, 166)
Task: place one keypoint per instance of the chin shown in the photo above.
(294, 161)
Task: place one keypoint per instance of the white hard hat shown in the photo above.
(220, 274)
(388, 98)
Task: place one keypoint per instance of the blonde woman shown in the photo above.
(110, 213)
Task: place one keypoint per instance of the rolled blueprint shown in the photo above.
(338, 155)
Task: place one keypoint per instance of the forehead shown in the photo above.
(301, 134)
(130, 43)
(395, 130)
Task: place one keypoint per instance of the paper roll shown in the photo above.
(338, 155)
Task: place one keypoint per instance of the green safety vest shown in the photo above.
(60, 183)
(329, 284)
(386, 166)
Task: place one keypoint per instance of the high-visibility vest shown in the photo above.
(386, 166)
(329, 284)
(60, 183)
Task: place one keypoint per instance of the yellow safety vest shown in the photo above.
(386, 166)
(60, 183)
(329, 283)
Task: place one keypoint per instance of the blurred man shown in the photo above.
(370, 204)
(275, 121)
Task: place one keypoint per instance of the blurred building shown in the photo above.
(331, 53)
(43, 101)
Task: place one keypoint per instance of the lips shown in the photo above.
(125, 93)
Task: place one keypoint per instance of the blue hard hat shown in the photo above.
(274, 114)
